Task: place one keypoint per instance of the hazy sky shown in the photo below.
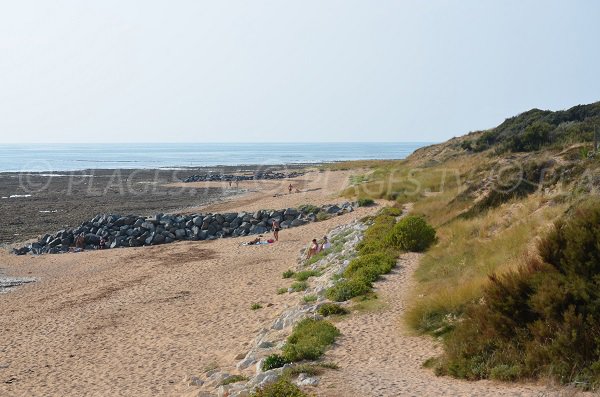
(253, 70)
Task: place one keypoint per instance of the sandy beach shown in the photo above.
(142, 321)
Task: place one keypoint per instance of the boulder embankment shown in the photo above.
(134, 231)
(215, 177)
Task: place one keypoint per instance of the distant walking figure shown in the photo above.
(237, 183)
(276, 228)
(290, 188)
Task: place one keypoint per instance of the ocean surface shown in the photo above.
(72, 157)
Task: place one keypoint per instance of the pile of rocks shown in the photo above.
(271, 340)
(134, 231)
(212, 177)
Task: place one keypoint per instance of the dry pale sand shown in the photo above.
(315, 188)
(138, 321)
(379, 357)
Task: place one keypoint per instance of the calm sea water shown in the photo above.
(70, 157)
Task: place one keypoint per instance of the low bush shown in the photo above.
(375, 257)
(412, 233)
(281, 290)
(309, 339)
(369, 267)
(322, 216)
(308, 369)
(273, 361)
(256, 306)
(310, 298)
(309, 209)
(282, 388)
(541, 320)
(330, 309)
(288, 274)
(305, 275)
(348, 289)
(365, 202)
(299, 286)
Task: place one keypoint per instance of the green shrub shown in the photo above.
(542, 320)
(322, 216)
(412, 233)
(288, 274)
(299, 286)
(309, 339)
(281, 290)
(273, 361)
(391, 211)
(305, 275)
(348, 289)
(310, 298)
(309, 209)
(369, 267)
(365, 202)
(256, 306)
(281, 388)
(330, 309)
(234, 379)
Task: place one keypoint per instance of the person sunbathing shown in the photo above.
(313, 249)
(255, 241)
(326, 244)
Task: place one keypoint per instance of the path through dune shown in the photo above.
(378, 357)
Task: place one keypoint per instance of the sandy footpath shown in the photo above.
(379, 357)
(138, 321)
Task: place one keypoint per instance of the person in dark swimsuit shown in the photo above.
(276, 228)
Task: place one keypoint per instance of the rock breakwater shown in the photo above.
(212, 177)
(118, 231)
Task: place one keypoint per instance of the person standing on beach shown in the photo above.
(290, 188)
(276, 228)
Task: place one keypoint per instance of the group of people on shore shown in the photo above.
(316, 247)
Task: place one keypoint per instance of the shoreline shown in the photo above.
(38, 203)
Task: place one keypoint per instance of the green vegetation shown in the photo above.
(412, 233)
(309, 298)
(234, 379)
(282, 388)
(365, 202)
(273, 361)
(378, 251)
(281, 290)
(309, 340)
(534, 129)
(489, 196)
(323, 216)
(542, 319)
(256, 306)
(299, 286)
(331, 309)
(309, 209)
(312, 369)
(358, 179)
(288, 274)
(305, 275)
